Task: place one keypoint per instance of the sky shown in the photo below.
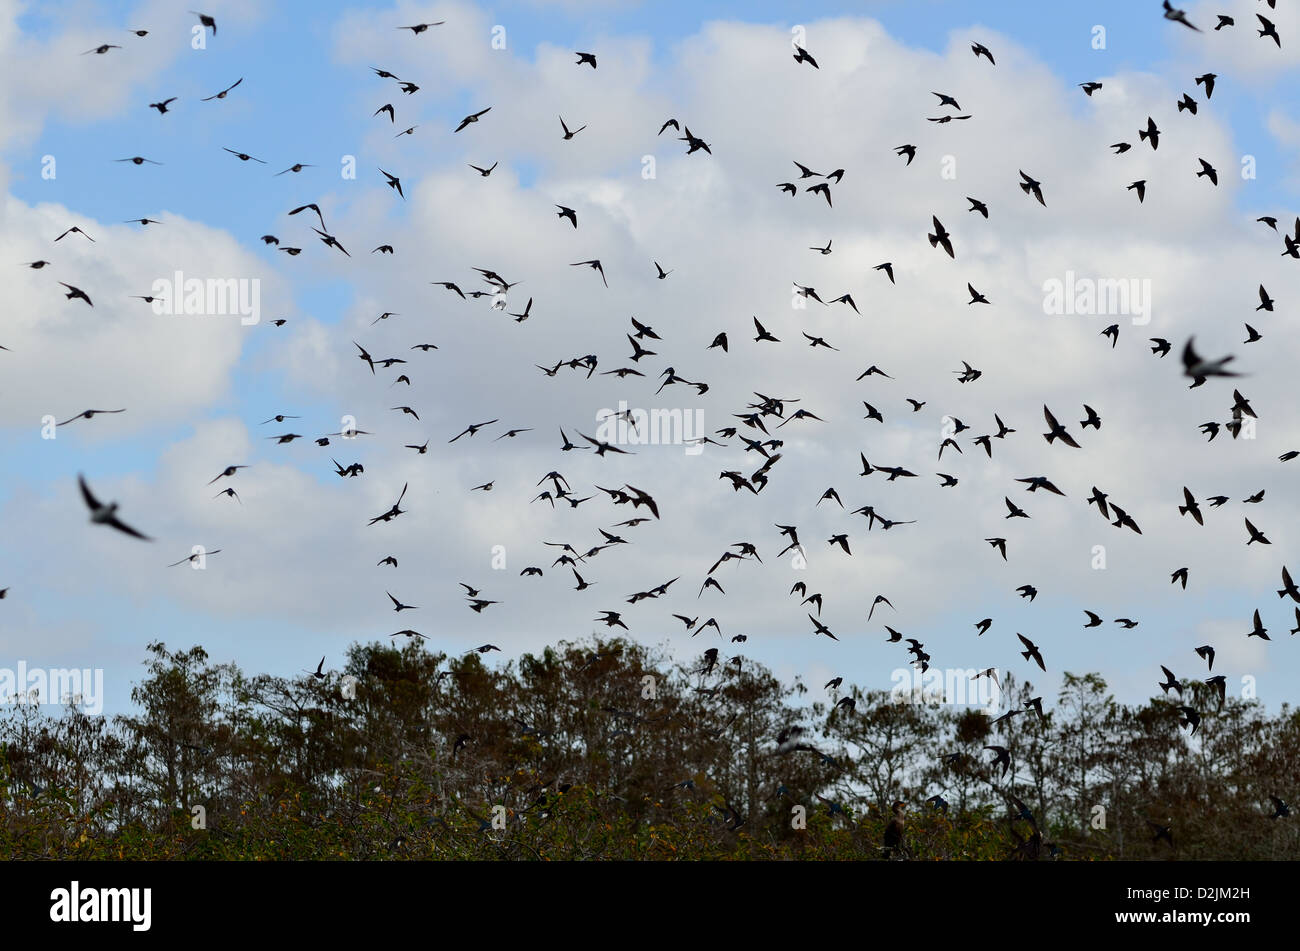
(297, 577)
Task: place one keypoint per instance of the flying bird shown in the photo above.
(1150, 133)
(101, 514)
(940, 238)
(1178, 16)
(568, 134)
(1268, 30)
(474, 117)
(1056, 430)
(242, 156)
(801, 55)
(222, 94)
(394, 182)
(1031, 651)
(595, 265)
(1032, 187)
(76, 292)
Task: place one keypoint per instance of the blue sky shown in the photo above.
(308, 109)
(308, 96)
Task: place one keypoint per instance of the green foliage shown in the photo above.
(609, 750)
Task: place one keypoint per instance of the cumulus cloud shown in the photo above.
(165, 367)
(298, 549)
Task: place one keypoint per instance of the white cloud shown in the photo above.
(299, 549)
(68, 357)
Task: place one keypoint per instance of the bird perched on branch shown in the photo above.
(894, 831)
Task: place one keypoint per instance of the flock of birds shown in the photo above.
(755, 425)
